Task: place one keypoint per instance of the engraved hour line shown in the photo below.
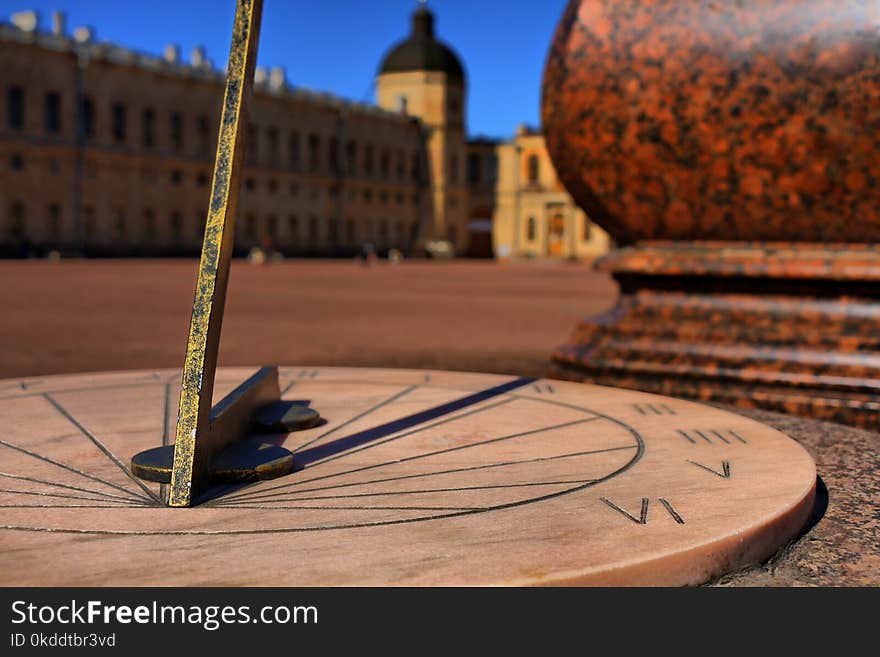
(725, 469)
(65, 506)
(643, 515)
(70, 497)
(487, 466)
(117, 386)
(541, 388)
(288, 388)
(258, 493)
(67, 486)
(455, 489)
(102, 447)
(134, 496)
(250, 491)
(359, 416)
(361, 508)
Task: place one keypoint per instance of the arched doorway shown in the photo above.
(556, 235)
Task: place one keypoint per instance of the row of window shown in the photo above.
(250, 228)
(264, 146)
(176, 176)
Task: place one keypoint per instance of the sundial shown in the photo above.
(346, 476)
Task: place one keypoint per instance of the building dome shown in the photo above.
(421, 51)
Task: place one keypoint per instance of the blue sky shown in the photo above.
(336, 45)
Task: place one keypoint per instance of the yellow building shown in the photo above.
(108, 151)
(534, 216)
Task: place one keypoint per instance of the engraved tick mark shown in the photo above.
(710, 436)
(653, 409)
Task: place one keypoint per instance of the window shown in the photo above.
(119, 222)
(351, 158)
(272, 145)
(349, 232)
(401, 165)
(531, 229)
(293, 226)
(588, 230)
(176, 224)
(293, 156)
(314, 152)
(313, 230)
(332, 231)
(203, 130)
(176, 176)
(333, 154)
(176, 131)
(53, 220)
(453, 169)
(253, 145)
(533, 169)
(202, 179)
(384, 164)
(250, 184)
(416, 167)
(90, 222)
(402, 102)
(53, 113)
(16, 213)
(474, 168)
(250, 226)
(86, 117)
(492, 168)
(16, 162)
(368, 159)
(15, 107)
(117, 112)
(148, 128)
(149, 223)
(272, 186)
(293, 189)
(272, 227)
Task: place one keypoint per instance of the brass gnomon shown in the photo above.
(222, 444)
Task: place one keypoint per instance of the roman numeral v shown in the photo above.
(643, 513)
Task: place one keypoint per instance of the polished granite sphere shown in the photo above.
(716, 120)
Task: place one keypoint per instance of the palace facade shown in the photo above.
(108, 151)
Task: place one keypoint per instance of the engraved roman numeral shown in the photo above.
(653, 409)
(541, 388)
(725, 469)
(711, 436)
(307, 374)
(643, 513)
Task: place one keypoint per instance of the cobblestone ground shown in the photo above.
(80, 316)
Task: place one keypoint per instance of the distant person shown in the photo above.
(368, 254)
